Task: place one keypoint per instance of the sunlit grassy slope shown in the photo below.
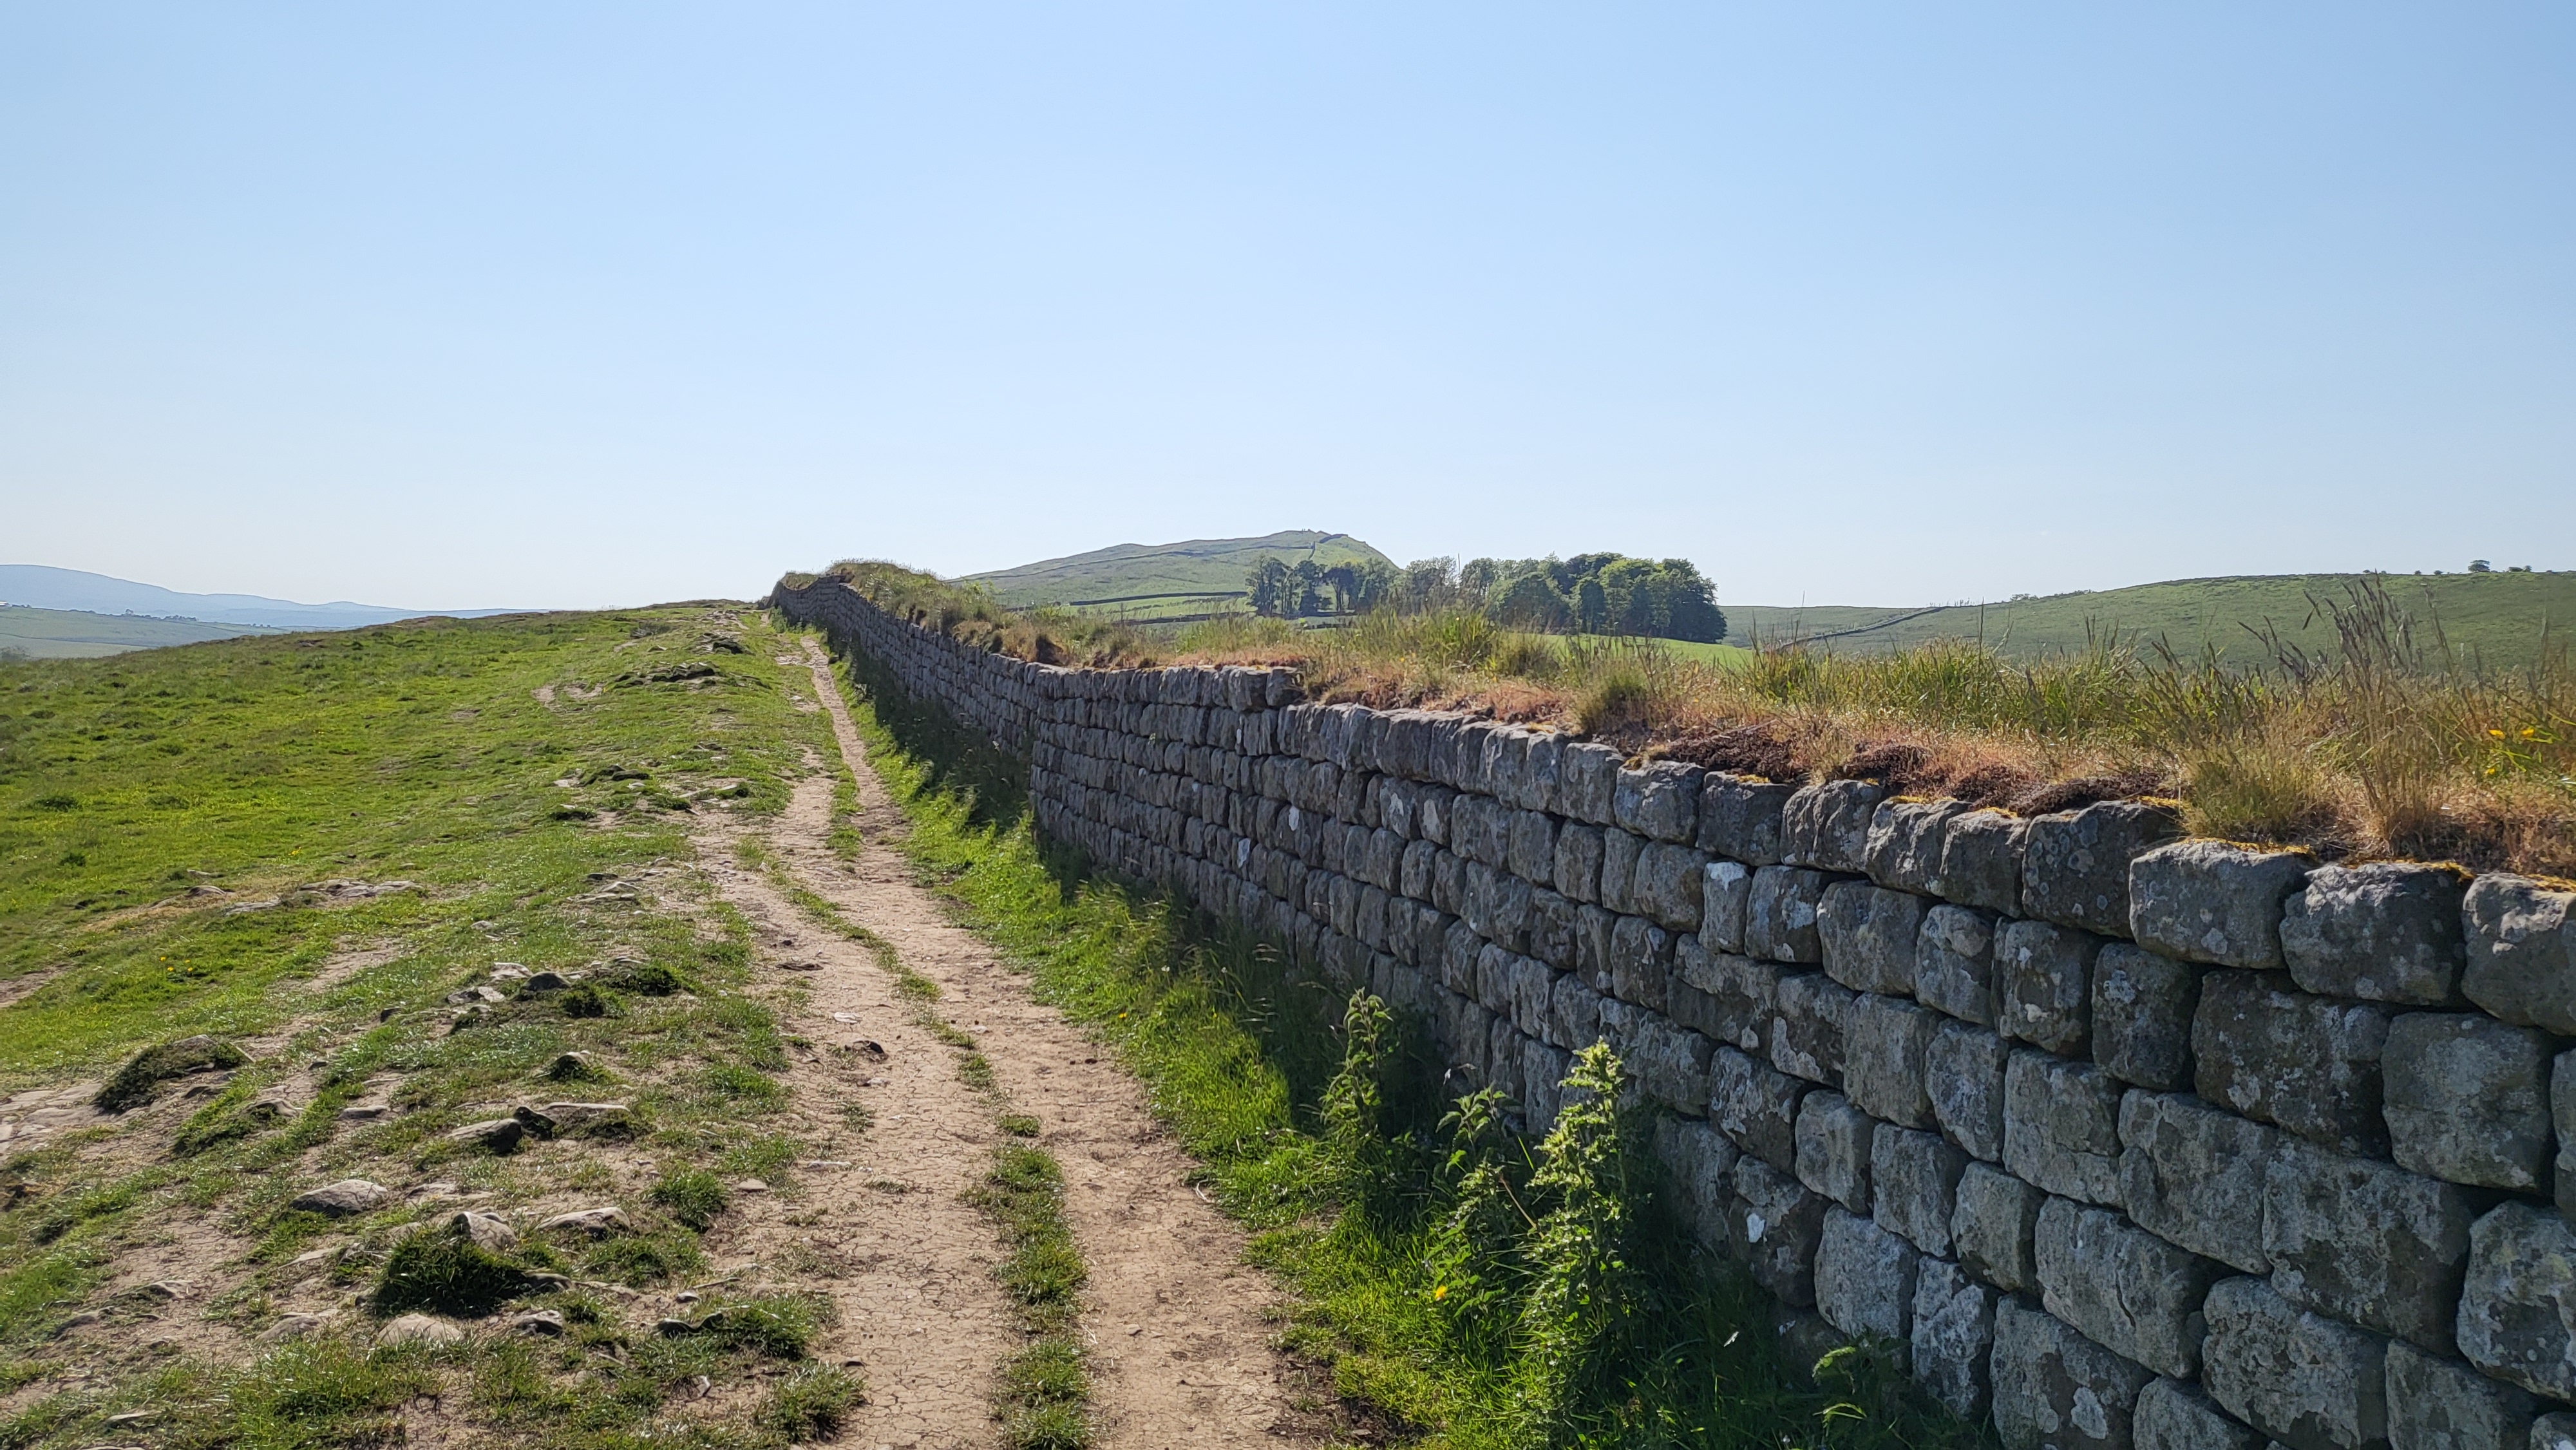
(1194, 565)
(61, 634)
(2501, 615)
(144, 797)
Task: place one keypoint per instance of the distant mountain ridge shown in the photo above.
(1143, 573)
(43, 587)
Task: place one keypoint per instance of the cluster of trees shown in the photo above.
(1587, 594)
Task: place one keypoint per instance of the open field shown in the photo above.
(2500, 616)
(70, 634)
(1124, 579)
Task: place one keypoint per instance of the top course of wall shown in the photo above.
(2127, 1139)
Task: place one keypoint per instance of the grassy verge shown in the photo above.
(1462, 1290)
(178, 835)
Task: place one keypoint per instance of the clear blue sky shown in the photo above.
(468, 304)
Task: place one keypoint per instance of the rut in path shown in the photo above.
(1172, 1316)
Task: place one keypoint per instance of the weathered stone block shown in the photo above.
(2467, 1099)
(1963, 1075)
(2044, 983)
(2054, 1388)
(1577, 876)
(2554, 1431)
(1533, 987)
(2441, 1404)
(1573, 1015)
(2214, 901)
(1885, 1043)
(1826, 825)
(1914, 1185)
(1756, 1105)
(1587, 783)
(1981, 861)
(2193, 1175)
(2062, 1126)
(1739, 817)
(2518, 1305)
(2142, 1012)
(2304, 1380)
(1995, 1228)
(1592, 928)
(1552, 930)
(1543, 1070)
(2075, 864)
(1619, 871)
(1701, 1165)
(1954, 963)
(1667, 888)
(1641, 962)
(1954, 1335)
(2310, 1064)
(2175, 1415)
(1867, 935)
(1903, 849)
(2128, 1290)
(2562, 1113)
(1777, 1222)
(1741, 994)
(1865, 1278)
(2366, 1241)
(1670, 1063)
(1503, 1058)
(1725, 890)
(1806, 1033)
(1780, 914)
(1659, 801)
(1532, 848)
(2522, 952)
(1833, 1149)
(2389, 932)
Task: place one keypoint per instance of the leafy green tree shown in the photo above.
(1529, 601)
(1268, 583)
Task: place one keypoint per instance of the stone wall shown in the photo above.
(2129, 1139)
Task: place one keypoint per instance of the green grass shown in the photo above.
(268, 766)
(1211, 565)
(73, 634)
(1045, 1388)
(2499, 615)
(1241, 1058)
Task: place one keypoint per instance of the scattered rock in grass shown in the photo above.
(343, 1199)
(294, 1326)
(167, 1289)
(82, 1320)
(498, 1135)
(467, 996)
(485, 1231)
(575, 1067)
(595, 1222)
(545, 982)
(419, 1329)
(505, 971)
(140, 1079)
(749, 1185)
(800, 966)
(546, 1322)
(365, 1110)
(537, 1122)
(464, 1017)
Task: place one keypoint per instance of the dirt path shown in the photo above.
(1181, 1353)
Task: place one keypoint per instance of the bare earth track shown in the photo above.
(1181, 1354)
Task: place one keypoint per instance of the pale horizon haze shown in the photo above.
(585, 305)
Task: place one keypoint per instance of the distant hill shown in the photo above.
(1157, 580)
(2499, 615)
(75, 589)
(63, 634)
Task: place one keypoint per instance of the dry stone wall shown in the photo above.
(2129, 1140)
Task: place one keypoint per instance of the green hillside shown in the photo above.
(69, 634)
(2500, 616)
(1157, 580)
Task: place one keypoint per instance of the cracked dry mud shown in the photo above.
(1172, 1315)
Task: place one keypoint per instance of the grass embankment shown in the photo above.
(2378, 737)
(171, 826)
(1464, 1292)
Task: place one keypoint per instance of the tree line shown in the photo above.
(1586, 594)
